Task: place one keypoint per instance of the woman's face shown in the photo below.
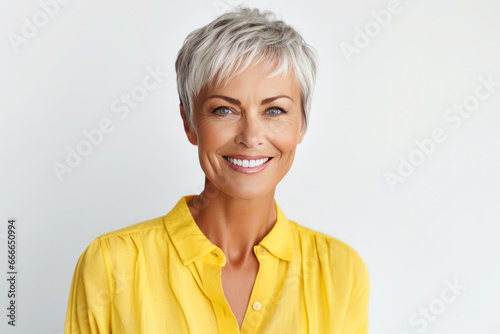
(253, 119)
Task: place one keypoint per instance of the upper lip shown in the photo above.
(247, 157)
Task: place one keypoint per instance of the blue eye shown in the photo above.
(276, 111)
(225, 111)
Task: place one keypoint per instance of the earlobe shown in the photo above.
(301, 136)
(301, 132)
(191, 134)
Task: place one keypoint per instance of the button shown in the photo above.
(262, 251)
(256, 306)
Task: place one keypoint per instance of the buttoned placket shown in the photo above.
(210, 266)
(260, 299)
(210, 269)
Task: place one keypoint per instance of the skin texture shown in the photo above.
(236, 210)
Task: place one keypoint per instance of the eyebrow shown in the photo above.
(237, 102)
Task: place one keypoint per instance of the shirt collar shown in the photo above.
(279, 240)
(192, 244)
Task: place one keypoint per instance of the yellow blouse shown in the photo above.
(164, 276)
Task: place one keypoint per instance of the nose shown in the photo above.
(251, 131)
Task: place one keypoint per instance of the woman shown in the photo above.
(228, 260)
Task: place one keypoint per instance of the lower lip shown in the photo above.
(248, 170)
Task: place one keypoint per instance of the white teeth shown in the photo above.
(247, 163)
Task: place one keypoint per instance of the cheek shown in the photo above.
(285, 139)
(213, 137)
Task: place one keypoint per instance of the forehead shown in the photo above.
(253, 81)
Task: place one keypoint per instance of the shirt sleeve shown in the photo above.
(88, 309)
(356, 316)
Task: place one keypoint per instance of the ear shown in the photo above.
(302, 130)
(191, 134)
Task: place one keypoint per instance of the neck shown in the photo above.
(235, 225)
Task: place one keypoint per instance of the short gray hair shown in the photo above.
(215, 51)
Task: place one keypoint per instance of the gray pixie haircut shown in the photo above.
(215, 51)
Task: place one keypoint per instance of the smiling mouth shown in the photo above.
(248, 163)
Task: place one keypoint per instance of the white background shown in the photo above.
(441, 223)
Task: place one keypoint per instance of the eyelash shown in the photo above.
(282, 111)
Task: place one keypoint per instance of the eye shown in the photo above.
(276, 111)
(222, 111)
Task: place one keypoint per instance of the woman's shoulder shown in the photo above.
(314, 242)
(129, 240)
(142, 228)
(124, 245)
